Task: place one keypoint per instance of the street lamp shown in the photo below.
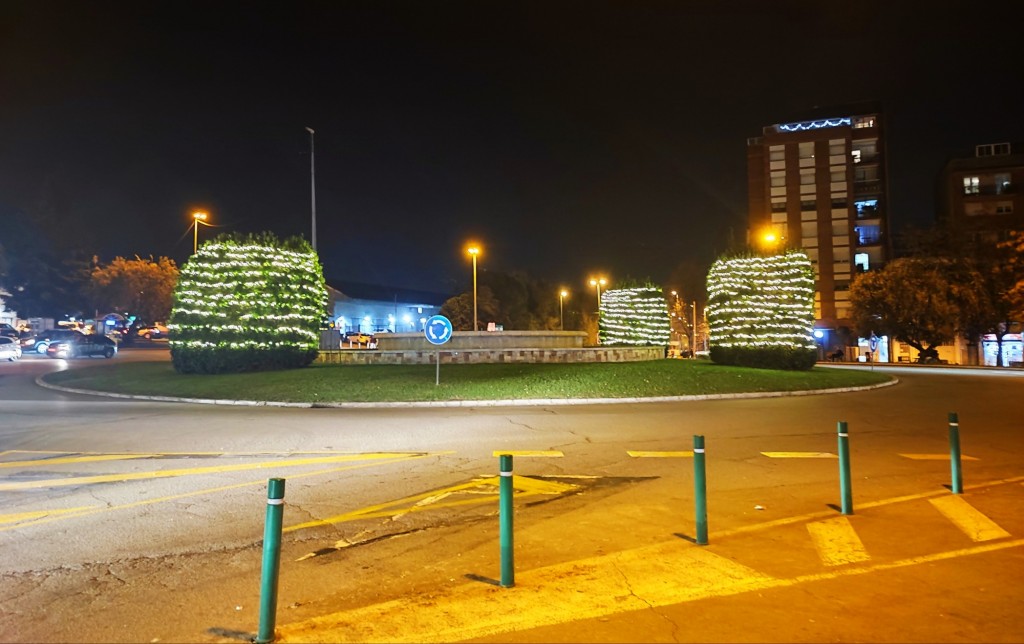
(473, 251)
(561, 317)
(312, 182)
(197, 216)
(598, 283)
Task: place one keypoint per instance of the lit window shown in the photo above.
(864, 121)
(777, 153)
(807, 177)
(866, 208)
(1002, 184)
(862, 261)
(807, 150)
(971, 186)
(778, 179)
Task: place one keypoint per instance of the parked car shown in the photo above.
(41, 341)
(353, 338)
(83, 346)
(152, 332)
(9, 349)
(7, 330)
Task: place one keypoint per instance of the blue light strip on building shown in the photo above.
(814, 125)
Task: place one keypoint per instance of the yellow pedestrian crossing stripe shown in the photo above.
(975, 525)
(836, 542)
(636, 454)
(535, 453)
(191, 471)
(481, 490)
(799, 455)
(936, 457)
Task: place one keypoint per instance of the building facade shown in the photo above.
(819, 184)
(981, 194)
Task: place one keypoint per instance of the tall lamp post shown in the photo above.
(598, 283)
(561, 317)
(197, 217)
(473, 251)
(312, 181)
(693, 349)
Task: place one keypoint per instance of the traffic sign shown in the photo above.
(438, 329)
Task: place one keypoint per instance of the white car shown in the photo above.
(10, 348)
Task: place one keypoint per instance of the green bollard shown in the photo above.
(508, 573)
(844, 469)
(271, 561)
(954, 453)
(700, 490)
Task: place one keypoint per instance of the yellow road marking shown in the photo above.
(482, 490)
(640, 579)
(975, 525)
(637, 454)
(540, 453)
(217, 469)
(92, 458)
(936, 457)
(836, 542)
(202, 492)
(799, 455)
(37, 514)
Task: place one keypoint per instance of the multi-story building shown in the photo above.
(981, 194)
(819, 184)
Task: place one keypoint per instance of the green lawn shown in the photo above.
(377, 383)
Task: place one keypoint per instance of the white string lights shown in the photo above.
(635, 316)
(762, 302)
(247, 305)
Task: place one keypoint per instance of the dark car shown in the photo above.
(83, 346)
(41, 341)
(8, 330)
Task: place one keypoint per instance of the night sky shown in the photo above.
(568, 138)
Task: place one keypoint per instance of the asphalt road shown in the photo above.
(114, 507)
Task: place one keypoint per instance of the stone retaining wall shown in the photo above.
(490, 356)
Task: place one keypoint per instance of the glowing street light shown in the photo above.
(197, 216)
(598, 283)
(561, 318)
(473, 251)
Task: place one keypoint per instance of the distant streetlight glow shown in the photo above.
(197, 217)
(598, 283)
(561, 318)
(473, 251)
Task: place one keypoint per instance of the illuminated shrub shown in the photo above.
(636, 316)
(247, 304)
(761, 311)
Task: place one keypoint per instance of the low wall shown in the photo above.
(485, 340)
(489, 356)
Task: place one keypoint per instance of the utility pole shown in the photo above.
(312, 181)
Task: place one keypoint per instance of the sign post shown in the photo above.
(438, 330)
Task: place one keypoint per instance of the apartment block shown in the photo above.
(982, 193)
(819, 184)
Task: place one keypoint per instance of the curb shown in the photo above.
(531, 402)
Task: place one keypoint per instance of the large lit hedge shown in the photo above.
(761, 311)
(636, 316)
(247, 304)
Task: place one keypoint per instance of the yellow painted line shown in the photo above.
(38, 514)
(538, 453)
(206, 491)
(217, 469)
(975, 525)
(636, 454)
(481, 490)
(641, 579)
(799, 455)
(92, 458)
(936, 457)
(836, 542)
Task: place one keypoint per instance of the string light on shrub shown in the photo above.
(634, 316)
(762, 303)
(245, 304)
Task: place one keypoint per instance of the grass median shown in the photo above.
(414, 383)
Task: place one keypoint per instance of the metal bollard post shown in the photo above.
(844, 469)
(271, 561)
(954, 453)
(700, 490)
(508, 573)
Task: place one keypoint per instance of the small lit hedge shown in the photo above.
(634, 316)
(761, 311)
(249, 303)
